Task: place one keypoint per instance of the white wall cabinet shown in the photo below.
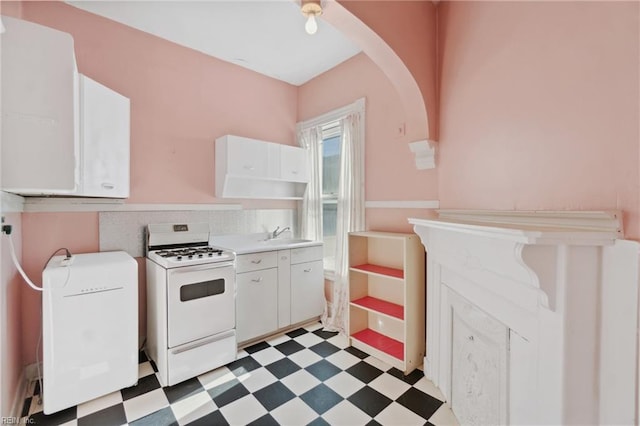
(250, 168)
(39, 87)
(277, 289)
(386, 294)
(104, 148)
(62, 133)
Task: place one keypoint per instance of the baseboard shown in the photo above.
(18, 397)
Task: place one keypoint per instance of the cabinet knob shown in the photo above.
(107, 185)
(295, 172)
(471, 338)
(256, 262)
(256, 280)
(308, 270)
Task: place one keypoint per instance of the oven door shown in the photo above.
(201, 301)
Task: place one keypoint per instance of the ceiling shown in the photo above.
(265, 36)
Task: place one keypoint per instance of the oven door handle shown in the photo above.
(186, 269)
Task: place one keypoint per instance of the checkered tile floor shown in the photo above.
(307, 376)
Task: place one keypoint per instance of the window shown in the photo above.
(325, 137)
(330, 180)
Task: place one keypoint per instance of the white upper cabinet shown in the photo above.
(62, 133)
(294, 164)
(105, 140)
(39, 132)
(250, 168)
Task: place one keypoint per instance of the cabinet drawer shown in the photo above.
(256, 261)
(306, 254)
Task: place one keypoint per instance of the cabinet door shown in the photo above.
(39, 132)
(256, 303)
(294, 164)
(307, 291)
(246, 157)
(105, 140)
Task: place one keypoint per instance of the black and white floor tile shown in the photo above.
(304, 377)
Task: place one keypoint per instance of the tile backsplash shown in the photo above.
(126, 230)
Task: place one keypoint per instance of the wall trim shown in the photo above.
(45, 204)
(410, 204)
(608, 221)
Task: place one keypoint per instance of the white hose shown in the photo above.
(15, 261)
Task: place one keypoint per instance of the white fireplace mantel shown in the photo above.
(564, 287)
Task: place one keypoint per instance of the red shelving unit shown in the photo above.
(386, 297)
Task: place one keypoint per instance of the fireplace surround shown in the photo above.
(532, 316)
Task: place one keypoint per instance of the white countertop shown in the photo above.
(254, 243)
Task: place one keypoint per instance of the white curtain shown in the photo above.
(350, 215)
(310, 211)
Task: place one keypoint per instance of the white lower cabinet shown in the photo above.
(256, 303)
(307, 290)
(277, 289)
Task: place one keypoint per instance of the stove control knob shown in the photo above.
(210, 254)
(190, 256)
(179, 258)
(200, 255)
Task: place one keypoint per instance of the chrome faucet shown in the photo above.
(275, 233)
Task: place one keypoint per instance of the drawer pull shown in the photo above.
(256, 262)
(283, 258)
(295, 172)
(256, 280)
(249, 168)
(308, 270)
(107, 185)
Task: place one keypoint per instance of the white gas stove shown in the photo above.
(191, 291)
(177, 245)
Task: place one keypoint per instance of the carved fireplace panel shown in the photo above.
(479, 356)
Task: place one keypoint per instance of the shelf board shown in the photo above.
(379, 270)
(381, 342)
(381, 306)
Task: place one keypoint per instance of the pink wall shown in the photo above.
(10, 319)
(390, 172)
(11, 361)
(539, 106)
(181, 100)
(409, 28)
